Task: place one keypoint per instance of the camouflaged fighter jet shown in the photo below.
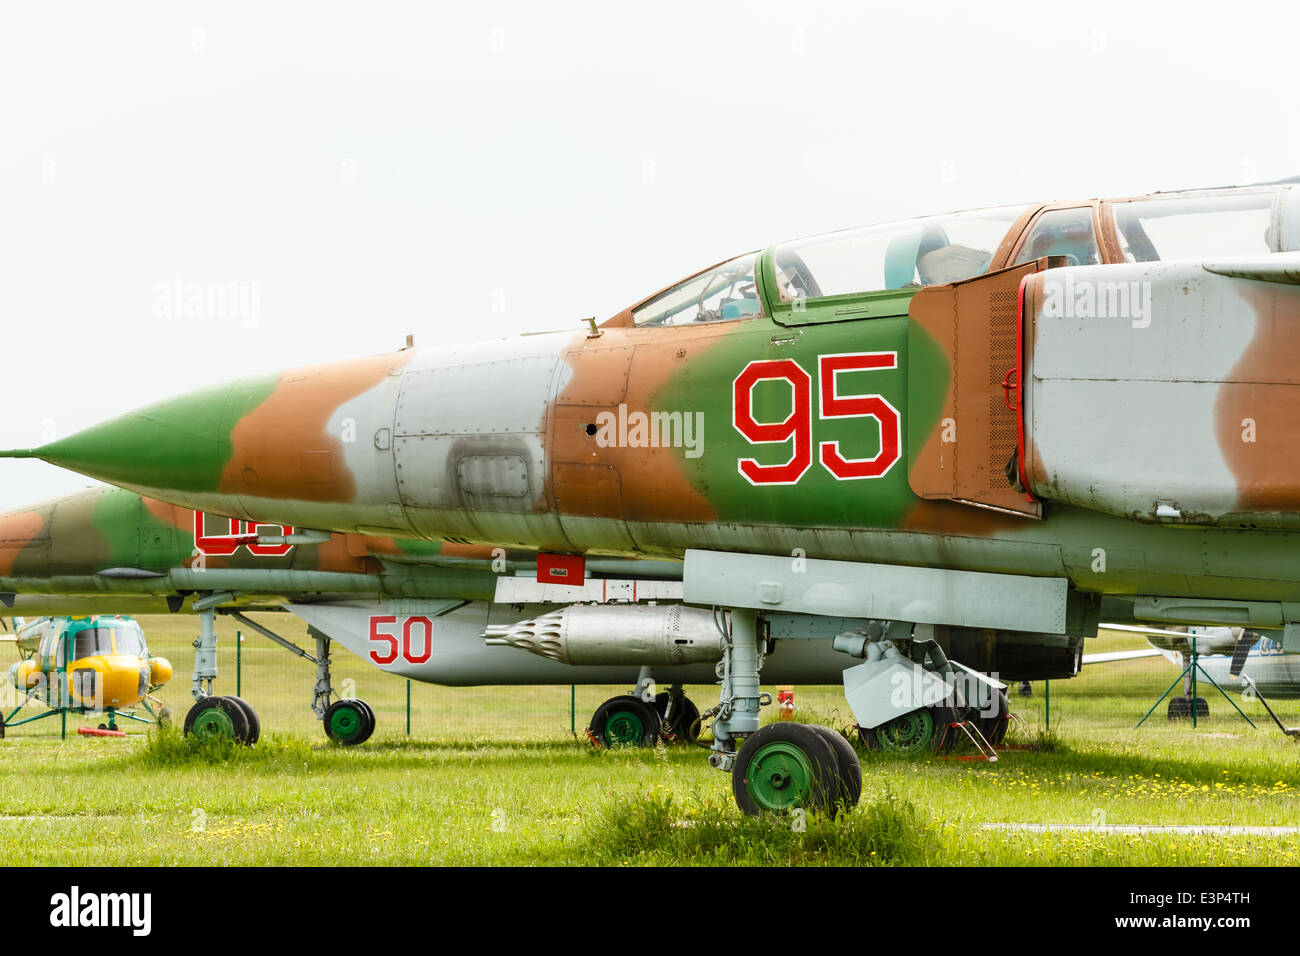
(413, 608)
(991, 420)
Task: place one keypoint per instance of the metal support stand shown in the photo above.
(1289, 731)
(976, 738)
(1190, 671)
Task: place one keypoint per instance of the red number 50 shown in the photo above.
(798, 425)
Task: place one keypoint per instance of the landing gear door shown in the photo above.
(963, 390)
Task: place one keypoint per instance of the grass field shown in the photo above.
(493, 776)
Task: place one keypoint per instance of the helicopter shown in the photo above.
(85, 666)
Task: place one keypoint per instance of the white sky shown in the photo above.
(460, 173)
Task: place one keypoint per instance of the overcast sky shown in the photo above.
(364, 171)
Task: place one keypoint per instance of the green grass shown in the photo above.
(491, 776)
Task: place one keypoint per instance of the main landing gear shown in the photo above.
(643, 718)
(907, 697)
(783, 766)
(346, 721)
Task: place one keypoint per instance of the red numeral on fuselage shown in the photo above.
(797, 427)
(409, 625)
(224, 544)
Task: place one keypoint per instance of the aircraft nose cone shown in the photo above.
(268, 447)
(179, 443)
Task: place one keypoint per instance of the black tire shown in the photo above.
(370, 714)
(348, 723)
(254, 724)
(821, 788)
(237, 721)
(850, 768)
(685, 725)
(2, 726)
(102, 727)
(1180, 708)
(994, 728)
(624, 721)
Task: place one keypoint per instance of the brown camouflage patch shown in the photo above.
(283, 448)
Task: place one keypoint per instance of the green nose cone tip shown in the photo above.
(179, 444)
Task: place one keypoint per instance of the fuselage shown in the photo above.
(788, 403)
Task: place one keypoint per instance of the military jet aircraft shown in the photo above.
(412, 608)
(85, 666)
(992, 420)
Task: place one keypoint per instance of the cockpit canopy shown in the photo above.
(94, 637)
(894, 255)
(901, 256)
(727, 291)
(1200, 225)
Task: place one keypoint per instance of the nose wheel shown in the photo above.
(784, 767)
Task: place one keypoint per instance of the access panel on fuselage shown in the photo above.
(963, 390)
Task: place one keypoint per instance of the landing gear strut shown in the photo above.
(348, 722)
(783, 766)
(678, 716)
(214, 716)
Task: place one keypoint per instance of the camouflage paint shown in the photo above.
(494, 443)
(61, 547)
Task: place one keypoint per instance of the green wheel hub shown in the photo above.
(213, 722)
(624, 728)
(780, 776)
(345, 722)
(908, 734)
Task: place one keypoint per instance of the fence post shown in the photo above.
(65, 692)
(408, 706)
(1047, 705)
(573, 709)
(239, 663)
